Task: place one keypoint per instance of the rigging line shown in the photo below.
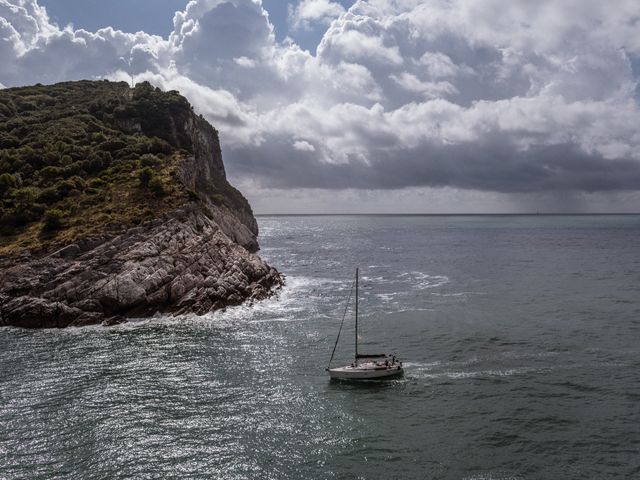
(341, 324)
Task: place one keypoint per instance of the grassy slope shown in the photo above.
(71, 160)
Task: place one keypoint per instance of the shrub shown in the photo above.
(7, 181)
(64, 187)
(156, 186)
(28, 155)
(8, 141)
(51, 172)
(76, 168)
(98, 137)
(7, 222)
(48, 196)
(112, 145)
(78, 182)
(145, 175)
(97, 183)
(106, 158)
(24, 106)
(53, 220)
(25, 197)
(94, 165)
(149, 160)
(217, 199)
(25, 169)
(157, 145)
(19, 216)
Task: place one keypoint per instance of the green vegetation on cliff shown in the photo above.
(82, 158)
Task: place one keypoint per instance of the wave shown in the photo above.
(456, 294)
(386, 297)
(431, 281)
(437, 363)
(462, 375)
(372, 279)
(493, 476)
(422, 280)
(413, 309)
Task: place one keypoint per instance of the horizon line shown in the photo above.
(540, 214)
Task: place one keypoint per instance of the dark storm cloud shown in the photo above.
(494, 165)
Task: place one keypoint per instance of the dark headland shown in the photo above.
(114, 203)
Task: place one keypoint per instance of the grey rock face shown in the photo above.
(184, 263)
(203, 174)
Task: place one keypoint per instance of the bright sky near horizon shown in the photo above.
(406, 105)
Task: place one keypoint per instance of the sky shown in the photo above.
(156, 17)
(388, 106)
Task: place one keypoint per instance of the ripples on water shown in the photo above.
(520, 336)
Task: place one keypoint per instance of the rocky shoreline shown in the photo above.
(181, 263)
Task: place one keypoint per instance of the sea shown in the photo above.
(520, 336)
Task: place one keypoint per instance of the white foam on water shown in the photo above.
(462, 375)
(372, 279)
(291, 300)
(275, 320)
(419, 365)
(468, 362)
(523, 355)
(456, 294)
(486, 373)
(99, 329)
(431, 281)
(422, 280)
(386, 297)
(414, 309)
(493, 476)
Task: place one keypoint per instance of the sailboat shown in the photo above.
(365, 366)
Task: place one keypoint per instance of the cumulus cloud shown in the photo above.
(517, 97)
(303, 146)
(245, 62)
(309, 13)
(429, 89)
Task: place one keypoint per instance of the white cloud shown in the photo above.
(245, 62)
(412, 83)
(303, 146)
(314, 12)
(358, 46)
(472, 94)
(438, 65)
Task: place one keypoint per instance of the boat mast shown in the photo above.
(356, 315)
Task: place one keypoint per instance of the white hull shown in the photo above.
(366, 372)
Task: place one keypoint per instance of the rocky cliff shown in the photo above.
(142, 233)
